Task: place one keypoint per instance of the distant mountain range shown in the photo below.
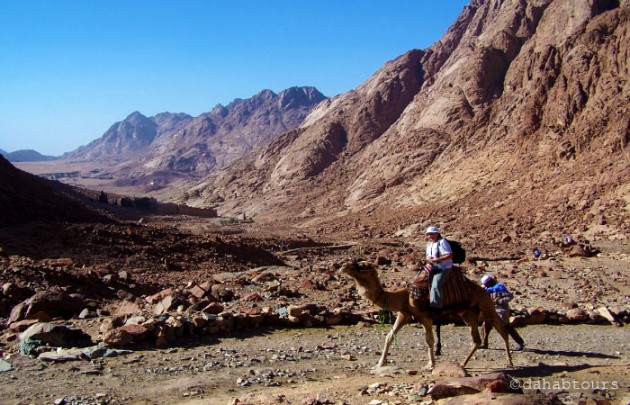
(142, 149)
(25, 155)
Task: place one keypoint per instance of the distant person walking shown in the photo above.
(501, 298)
(439, 258)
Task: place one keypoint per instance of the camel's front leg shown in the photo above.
(427, 324)
(401, 320)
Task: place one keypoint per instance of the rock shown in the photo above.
(213, 308)
(447, 390)
(53, 303)
(21, 326)
(159, 296)
(251, 310)
(577, 251)
(448, 369)
(5, 366)
(308, 285)
(15, 292)
(607, 314)
(577, 315)
(499, 399)
(493, 382)
(126, 335)
(197, 291)
(17, 312)
(127, 308)
(537, 316)
(53, 335)
(254, 297)
(110, 323)
(264, 278)
(61, 262)
(221, 293)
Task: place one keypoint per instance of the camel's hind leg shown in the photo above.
(472, 320)
(498, 325)
(401, 320)
(486, 327)
(438, 333)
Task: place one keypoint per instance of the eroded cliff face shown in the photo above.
(520, 111)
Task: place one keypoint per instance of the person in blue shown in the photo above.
(501, 297)
(439, 257)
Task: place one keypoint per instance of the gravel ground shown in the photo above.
(322, 365)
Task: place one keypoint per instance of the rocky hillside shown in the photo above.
(26, 198)
(516, 121)
(170, 145)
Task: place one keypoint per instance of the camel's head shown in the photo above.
(358, 269)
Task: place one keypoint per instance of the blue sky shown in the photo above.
(70, 69)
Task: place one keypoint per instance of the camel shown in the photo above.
(370, 288)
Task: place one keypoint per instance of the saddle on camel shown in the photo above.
(370, 288)
(456, 298)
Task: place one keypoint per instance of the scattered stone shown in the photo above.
(577, 315)
(159, 296)
(5, 366)
(607, 314)
(61, 262)
(449, 369)
(126, 335)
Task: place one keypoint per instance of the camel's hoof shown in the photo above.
(428, 367)
(438, 352)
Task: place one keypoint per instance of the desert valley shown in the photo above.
(196, 260)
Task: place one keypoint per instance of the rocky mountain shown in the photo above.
(154, 149)
(26, 155)
(516, 119)
(129, 137)
(26, 198)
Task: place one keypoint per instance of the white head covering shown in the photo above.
(433, 229)
(485, 279)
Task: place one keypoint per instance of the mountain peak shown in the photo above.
(299, 96)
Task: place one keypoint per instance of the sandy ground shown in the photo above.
(329, 365)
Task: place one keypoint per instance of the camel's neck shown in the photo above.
(372, 290)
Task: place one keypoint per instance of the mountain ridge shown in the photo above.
(167, 146)
(26, 155)
(515, 98)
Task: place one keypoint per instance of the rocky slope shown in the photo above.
(25, 198)
(157, 149)
(516, 119)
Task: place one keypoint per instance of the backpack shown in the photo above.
(459, 254)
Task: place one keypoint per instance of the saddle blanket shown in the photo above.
(454, 288)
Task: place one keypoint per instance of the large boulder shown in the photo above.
(52, 303)
(49, 334)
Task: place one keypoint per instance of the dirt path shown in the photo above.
(331, 365)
